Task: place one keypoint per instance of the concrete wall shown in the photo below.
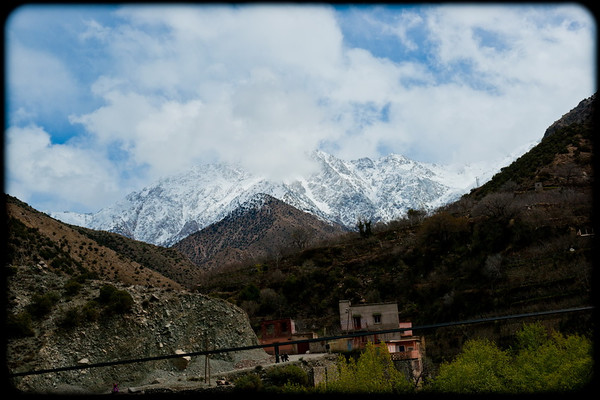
(373, 316)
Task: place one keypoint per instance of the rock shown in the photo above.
(135, 390)
(181, 363)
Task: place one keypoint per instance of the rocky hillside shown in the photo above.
(582, 114)
(76, 296)
(56, 321)
(262, 227)
(170, 263)
(35, 238)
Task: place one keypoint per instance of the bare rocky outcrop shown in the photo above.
(160, 322)
(582, 114)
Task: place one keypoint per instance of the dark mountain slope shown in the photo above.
(167, 262)
(262, 227)
(583, 114)
(563, 157)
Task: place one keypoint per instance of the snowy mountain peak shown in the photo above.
(340, 192)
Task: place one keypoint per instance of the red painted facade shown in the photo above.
(281, 331)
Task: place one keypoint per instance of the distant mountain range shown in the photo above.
(340, 193)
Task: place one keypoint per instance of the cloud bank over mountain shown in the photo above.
(103, 100)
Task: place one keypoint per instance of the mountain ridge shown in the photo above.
(341, 192)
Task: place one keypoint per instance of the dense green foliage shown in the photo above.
(539, 362)
(372, 373)
(249, 383)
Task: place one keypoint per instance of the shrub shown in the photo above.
(106, 293)
(19, 325)
(72, 287)
(250, 293)
(373, 372)
(249, 382)
(71, 319)
(114, 300)
(121, 302)
(288, 374)
(91, 311)
(42, 304)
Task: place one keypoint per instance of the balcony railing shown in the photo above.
(405, 355)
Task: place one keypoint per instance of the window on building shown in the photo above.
(356, 321)
(377, 318)
(270, 329)
(284, 327)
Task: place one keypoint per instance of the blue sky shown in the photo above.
(103, 100)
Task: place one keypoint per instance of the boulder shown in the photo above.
(182, 362)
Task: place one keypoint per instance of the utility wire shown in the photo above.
(322, 339)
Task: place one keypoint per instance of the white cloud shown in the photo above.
(263, 86)
(60, 174)
(227, 82)
(40, 82)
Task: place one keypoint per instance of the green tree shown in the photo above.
(249, 383)
(551, 362)
(373, 372)
(480, 368)
(249, 293)
(539, 362)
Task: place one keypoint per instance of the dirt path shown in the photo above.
(199, 386)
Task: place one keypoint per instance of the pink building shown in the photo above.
(402, 345)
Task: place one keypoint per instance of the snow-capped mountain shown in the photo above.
(341, 192)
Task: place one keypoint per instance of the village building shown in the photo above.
(403, 346)
(284, 330)
(406, 349)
